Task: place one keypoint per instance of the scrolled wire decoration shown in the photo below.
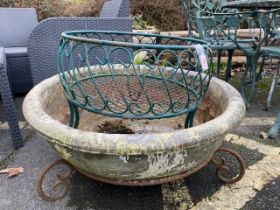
(132, 75)
(222, 167)
(62, 181)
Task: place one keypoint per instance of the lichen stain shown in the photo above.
(66, 155)
(163, 164)
(124, 158)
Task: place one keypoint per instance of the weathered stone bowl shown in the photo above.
(159, 151)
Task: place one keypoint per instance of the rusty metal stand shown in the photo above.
(62, 180)
(222, 167)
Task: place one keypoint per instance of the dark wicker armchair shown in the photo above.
(7, 98)
(16, 24)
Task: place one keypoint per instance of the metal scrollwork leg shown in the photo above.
(220, 164)
(62, 180)
(74, 115)
(189, 119)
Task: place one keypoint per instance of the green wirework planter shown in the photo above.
(135, 99)
(133, 75)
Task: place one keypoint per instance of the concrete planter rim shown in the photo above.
(131, 144)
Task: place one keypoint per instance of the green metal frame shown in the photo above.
(272, 36)
(271, 50)
(132, 75)
(200, 19)
(218, 25)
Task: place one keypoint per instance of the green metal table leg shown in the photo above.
(249, 80)
(259, 75)
(272, 88)
(273, 132)
(228, 71)
(219, 58)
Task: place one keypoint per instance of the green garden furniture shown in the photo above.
(272, 51)
(218, 26)
(266, 16)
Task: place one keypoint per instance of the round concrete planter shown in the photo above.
(160, 151)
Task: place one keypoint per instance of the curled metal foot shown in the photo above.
(222, 167)
(61, 181)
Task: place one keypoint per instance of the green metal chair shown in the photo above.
(208, 20)
(272, 52)
(198, 23)
(269, 48)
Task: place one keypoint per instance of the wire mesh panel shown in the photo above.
(133, 75)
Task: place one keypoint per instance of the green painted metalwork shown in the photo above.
(202, 22)
(219, 26)
(274, 130)
(269, 49)
(265, 15)
(133, 75)
(252, 4)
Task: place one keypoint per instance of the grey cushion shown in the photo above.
(16, 25)
(16, 52)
